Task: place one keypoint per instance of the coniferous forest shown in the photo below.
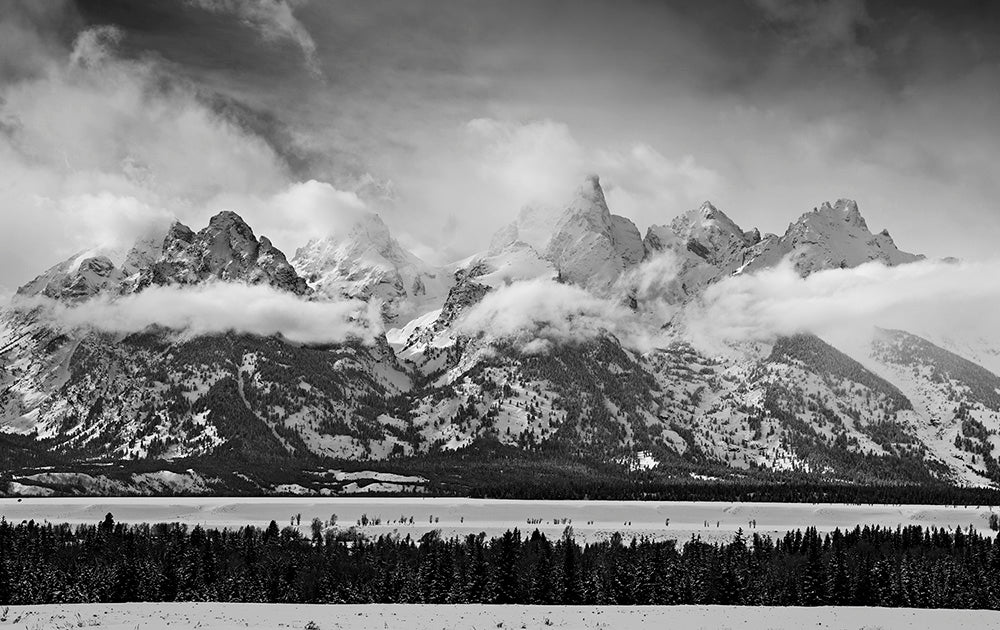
(870, 566)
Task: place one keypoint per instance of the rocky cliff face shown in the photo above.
(225, 250)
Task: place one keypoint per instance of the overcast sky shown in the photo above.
(446, 117)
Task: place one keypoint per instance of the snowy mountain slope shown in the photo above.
(820, 418)
(594, 397)
(427, 342)
(958, 401)
(973, 345)
(804, 406)
(156, 394)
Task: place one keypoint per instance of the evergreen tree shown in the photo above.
(504, 587)
(812, 585)
(837, 582)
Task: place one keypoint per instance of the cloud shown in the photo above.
(935, 298)
(109, 220)
(95, 46)
(541, 162)
(208, 309)
(296, 213)
(535, 161)
(274, 19)
(646, 186)
(654, 286)
(536, 314)
(922, 296)
(822, 25)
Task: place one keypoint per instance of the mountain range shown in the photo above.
(520, 346)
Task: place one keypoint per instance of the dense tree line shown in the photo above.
(870, 566)
(489, 469)
(493, 470)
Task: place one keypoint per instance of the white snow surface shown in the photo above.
(219, 616)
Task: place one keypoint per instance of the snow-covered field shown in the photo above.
(591, 520)
(186, 616)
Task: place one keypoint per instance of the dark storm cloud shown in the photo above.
(303, 163)
(200, 34)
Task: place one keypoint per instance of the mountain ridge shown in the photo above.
(799, 404)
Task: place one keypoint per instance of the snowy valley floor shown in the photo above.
(591, 520)
(185, 616)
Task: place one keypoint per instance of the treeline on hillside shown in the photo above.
(492, 470)
(871, 566)
(503, 472)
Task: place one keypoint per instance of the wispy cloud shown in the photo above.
(209, 309)
(541, 161)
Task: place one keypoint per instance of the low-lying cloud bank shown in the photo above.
(926, 297)
(934, 298)
(218, 308)
(930, 295)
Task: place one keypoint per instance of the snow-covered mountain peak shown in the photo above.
(227, 240)
(144, 252)
(829, 237)
(363, 260)
(80, 276)
(582, 239)
(372, 228)
(588, 206)
(533, 226)
(711, 234)
(705, 218)
(226, 249)
(845, 209)
(590, 246)
(707, 244)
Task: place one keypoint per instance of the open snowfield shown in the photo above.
(591, 520)
(184, 616)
